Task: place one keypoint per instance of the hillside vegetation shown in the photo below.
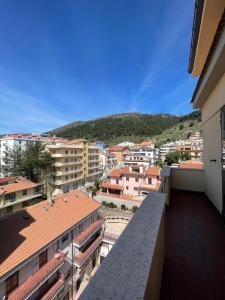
(178, 132)
(134, 127)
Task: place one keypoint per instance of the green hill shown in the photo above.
(134, 127)
(178, 132)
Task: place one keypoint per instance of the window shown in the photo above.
(127, 178)
(117, 181)
(80, 227)
(12, 282)
(127, 187)
(9, 210)
(65, 238)
(135, 188)
(11, 197)
(24, 192)
(66, 151)
(149, 180)
(43, 257)
(136, 179)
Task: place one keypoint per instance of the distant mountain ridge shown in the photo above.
(116, 128)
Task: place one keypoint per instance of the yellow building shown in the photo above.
(76, 164)
(17, 193)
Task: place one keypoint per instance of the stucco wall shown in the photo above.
(212, 143)
(187, 179)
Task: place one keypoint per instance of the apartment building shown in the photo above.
(21, 141)
(107, 160)
(17, 193)
(48, 248)
(120, 152)
(132, 180)
(166, 148)
(76, 163)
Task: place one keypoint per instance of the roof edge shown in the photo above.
(199, 4)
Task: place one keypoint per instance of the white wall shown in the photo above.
(187, 179)
(212, 143)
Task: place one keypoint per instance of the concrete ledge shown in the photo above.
(133, 269)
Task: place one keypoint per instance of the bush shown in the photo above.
(123, 207)
(191, 124)
(134, 208)
(104, 203)
(181, 127)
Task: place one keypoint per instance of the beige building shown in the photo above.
(76, 164)
(207, 60)
(17, 193)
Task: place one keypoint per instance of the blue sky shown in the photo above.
(68, 60)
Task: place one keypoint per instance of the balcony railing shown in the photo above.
(55, 289)
(134, 265)
(83, 256)
(86, 234)
(25, 290)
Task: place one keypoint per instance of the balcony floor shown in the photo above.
(194, 265)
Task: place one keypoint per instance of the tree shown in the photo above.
(185, 156)
(158, 163)
(181, 127)
(172, 158)
(12, 162)
(191, 124)
(37, 162)
(123, 207)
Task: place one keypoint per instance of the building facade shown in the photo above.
(132, 181)
(51, 258)
(20, 141)
(17, 193)
(76, 163)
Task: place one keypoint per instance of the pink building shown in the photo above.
(132, 180)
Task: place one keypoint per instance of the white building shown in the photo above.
(21, 141)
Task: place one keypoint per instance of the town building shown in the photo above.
(49, 248)
(20, 141)
(17, 193)
(126, 144)
(76, 164)
(191, 164)
(166, 148)
(100, 145)
(133, 180)
(120, 152)
(107, 161)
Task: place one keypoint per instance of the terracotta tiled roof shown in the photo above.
(6, 179)
(34, 281)
(191, 165)
(108, 185)
(115, 173)
(117, 148)
(153, 171)
(18, 186)
(24, 233)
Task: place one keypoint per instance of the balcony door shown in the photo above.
(223, 159)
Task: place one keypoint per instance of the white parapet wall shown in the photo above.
(118, 201)
(187, 179)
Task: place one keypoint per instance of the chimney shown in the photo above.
(50, 200)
